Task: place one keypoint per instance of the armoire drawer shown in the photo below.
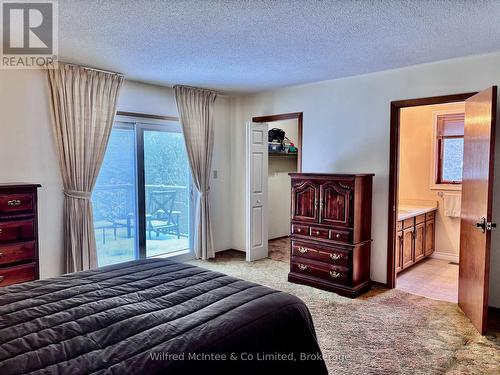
(341, 235)
(325, 254)
(324, 271)
(17, 274)
(320, 233)
(17, 253)
(16, 203)
(22, 230)
(300, 229)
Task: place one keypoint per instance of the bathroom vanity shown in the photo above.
(415, 235)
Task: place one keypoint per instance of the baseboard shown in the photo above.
(445, 256)
(221, 250)
(379, 284)
(279, 238)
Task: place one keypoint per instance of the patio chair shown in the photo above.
(161, 217)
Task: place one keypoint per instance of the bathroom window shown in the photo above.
(449, 148)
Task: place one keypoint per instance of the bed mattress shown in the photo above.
(153, 316)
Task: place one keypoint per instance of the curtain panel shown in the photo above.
(83, 106)
(196, 112)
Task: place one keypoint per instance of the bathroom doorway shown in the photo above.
(477, 197)
(429, 187)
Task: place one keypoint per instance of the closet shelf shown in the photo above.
(282, 155)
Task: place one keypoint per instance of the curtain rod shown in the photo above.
(147, 115)
(90, 68)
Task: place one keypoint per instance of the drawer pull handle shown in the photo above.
(334, 274)
(335, 256)
(302, 266)
(1, 230)
(299, 230)
(1, 255)
(317, 232)
(337, 235)
(303, 250)
(14, 202)
(2, 278)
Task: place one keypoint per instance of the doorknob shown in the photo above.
(485, 225)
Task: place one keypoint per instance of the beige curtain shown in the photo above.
(196, 112)
(83, 103)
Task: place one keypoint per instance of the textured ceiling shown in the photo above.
(246, 46)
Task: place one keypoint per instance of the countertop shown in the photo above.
(405, 212)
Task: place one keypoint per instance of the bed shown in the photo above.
(153, 316)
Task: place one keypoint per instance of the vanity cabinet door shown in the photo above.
(408, 249)
(336, 203)
(429, 236)
(419, 241)
(305, 197)
(399, 250)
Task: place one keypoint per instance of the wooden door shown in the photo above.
(399, 250)
(429, 237)
(256, 192)
(335, 203)
(305, 201)
(476, 213)
(408, 250)
(419, 241)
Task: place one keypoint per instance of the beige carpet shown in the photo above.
(382, 332)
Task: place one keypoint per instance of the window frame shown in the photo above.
(436, 182)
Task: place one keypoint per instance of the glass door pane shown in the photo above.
(114, 199)
(167, 192)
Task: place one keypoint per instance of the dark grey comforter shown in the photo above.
(154, 316)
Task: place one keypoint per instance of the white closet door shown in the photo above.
(256, 191)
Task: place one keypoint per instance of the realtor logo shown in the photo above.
(29, 34)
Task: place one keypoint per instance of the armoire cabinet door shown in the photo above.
(305, 198)
(335, 203)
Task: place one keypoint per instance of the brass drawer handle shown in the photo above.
(316, 232)
(335, 256)
(299, 230)
(1, 255)
(2, 278)
(303, 250)
(14, 202)
(1, 230)
(334, 274)
(337, 235)
(302, 266)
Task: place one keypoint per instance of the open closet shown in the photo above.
(274, 150)
(282, 160)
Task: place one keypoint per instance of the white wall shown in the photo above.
(279, 183)
(27, 152)
(346, 128)
(415, 172)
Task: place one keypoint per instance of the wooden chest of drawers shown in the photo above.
(331, 231)
(18, 233)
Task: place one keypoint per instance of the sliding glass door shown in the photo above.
(142, 199)
(167, 191)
